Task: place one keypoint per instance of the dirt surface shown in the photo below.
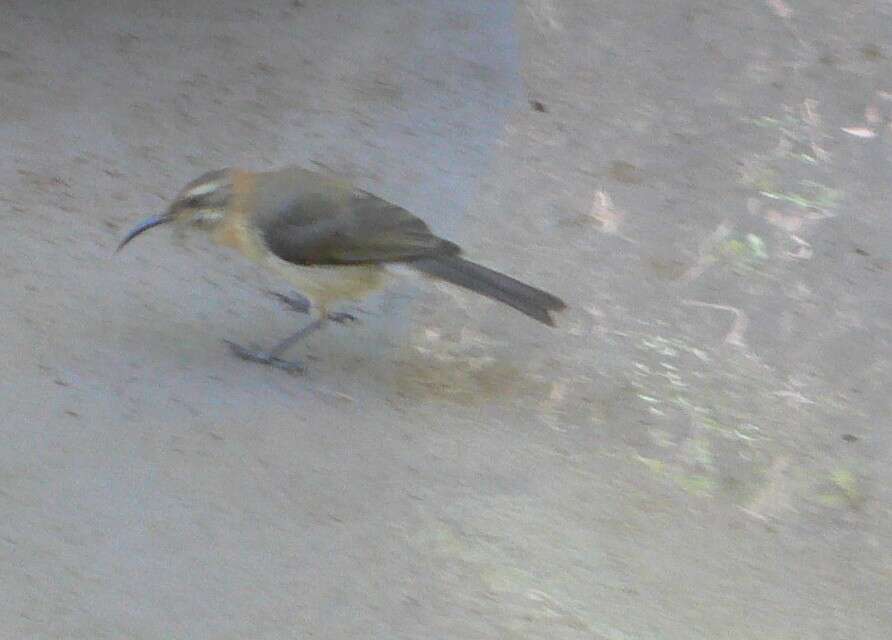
(701, 449)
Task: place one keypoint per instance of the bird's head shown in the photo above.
(201, 204)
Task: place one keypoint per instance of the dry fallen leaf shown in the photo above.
(780, 8)
(803, 250)
(602, 210)
(787, 222)
(810, 112)
(738, 329)
(860, 132)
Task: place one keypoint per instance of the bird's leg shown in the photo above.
(300, 304)
(296, 337)
(272, 357)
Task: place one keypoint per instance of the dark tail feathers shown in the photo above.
(533, 302)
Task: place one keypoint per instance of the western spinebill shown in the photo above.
(332, 241)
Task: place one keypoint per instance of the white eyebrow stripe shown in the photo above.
(203, 189)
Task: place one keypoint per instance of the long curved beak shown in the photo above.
(145, 225)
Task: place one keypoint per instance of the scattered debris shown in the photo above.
(780, 8)
(705, 253)
(608, 217)
(738, 329)
(772, 498)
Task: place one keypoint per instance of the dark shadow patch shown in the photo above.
(625, 172)
(460, 381)
(872, 52)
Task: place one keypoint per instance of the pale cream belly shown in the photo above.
(325, 285)
(322, 285)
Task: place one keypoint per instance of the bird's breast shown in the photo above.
(238, 230)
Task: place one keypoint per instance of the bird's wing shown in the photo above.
(317, 229)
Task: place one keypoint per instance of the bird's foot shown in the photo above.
(301, 304)
(264, 357)
(341, 317)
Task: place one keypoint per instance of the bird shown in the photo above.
(331, 240)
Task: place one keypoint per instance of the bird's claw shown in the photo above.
(264, 357)
(341, 317)
(302, 305)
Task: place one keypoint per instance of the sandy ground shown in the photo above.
(700, 450)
